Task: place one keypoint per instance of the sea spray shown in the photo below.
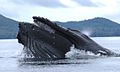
(80, 54)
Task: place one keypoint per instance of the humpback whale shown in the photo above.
(44, 39)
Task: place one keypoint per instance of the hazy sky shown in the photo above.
(60, 10)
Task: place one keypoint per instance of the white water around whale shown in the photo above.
(80, 54)
(11, 49)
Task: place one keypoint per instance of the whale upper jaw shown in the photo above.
(46, 40)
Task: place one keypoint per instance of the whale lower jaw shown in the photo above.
(44, 39)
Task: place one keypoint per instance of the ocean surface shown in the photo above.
(11, 53)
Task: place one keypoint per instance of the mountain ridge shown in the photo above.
(96, 27)
(8, 28)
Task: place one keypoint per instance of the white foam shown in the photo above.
(76, 53)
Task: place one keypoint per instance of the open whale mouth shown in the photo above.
(44, 39)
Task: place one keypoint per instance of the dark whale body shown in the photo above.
(44, 39)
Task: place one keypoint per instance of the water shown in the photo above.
(10, 51)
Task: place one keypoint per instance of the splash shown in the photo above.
(87, 32)
(80, 54)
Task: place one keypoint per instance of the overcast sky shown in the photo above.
(60, 10)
